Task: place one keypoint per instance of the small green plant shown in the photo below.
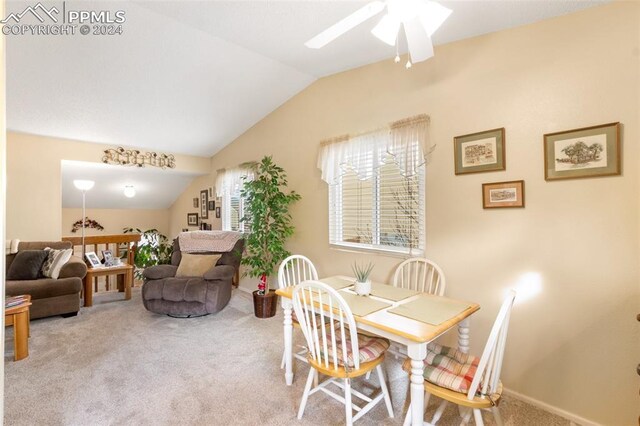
(362, 272)
(154, 249)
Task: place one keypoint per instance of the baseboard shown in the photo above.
(573, 418)
(244, 290)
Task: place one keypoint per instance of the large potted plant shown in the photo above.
(154, 249)
(267, 218)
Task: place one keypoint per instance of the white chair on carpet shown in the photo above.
(336, 349)
(449, 374)
(421, 275)
(293, 270)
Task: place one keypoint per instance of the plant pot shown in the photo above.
(265, 306)
(362, 288)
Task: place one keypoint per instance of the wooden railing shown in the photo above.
(117, 243)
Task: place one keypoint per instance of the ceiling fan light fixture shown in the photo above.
(387, 30)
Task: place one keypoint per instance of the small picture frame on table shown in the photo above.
(192, 219)
(107, 255)
(92, 259)
(503, 194)
(582, 153)
(480, 152)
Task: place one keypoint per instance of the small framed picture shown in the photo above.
(210, 194)
(503, 194)
(192, 219)
(204, 201)
(107, 255)
(212, 205)
(217, 212)
(479, 152)
(581, 153)
(195, 203)
(92, 259)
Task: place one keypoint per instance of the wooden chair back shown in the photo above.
(487, 377)
(295, 269)
(420, 274)
(327, 324)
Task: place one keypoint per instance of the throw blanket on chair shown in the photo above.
(203, 241)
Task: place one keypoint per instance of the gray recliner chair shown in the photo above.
(164, 293)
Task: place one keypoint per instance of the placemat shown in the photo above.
(362, 306)
(337, 282)
(389, 292)
(430, 309)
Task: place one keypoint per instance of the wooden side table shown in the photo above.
(18, 316)
(126, 270)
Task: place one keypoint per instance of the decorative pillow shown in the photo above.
(55, 260)
(195, 265)
(26, 265)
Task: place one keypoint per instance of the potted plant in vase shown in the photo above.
(363, 284)
(266, 213)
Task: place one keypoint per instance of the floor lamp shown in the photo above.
(84, 186)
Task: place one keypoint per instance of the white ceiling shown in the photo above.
(190, 76)
(155, 188)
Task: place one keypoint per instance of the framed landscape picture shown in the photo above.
(580, 153)
(204, 201)
(192, 219)
(503, 194)
(479, 152)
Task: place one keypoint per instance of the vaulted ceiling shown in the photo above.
(190, 76)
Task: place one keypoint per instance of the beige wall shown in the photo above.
(574, 345)
(3, 194)
(114, 220)
(34, 200)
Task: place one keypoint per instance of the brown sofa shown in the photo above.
(50, 297)
(164, 293)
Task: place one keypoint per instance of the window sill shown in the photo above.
(387, 251)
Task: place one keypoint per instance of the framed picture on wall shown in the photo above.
(580, 153)
(212, 205)
(479, 152)
(195, 203)
(503, 194)
(217, 212)
(204, 201)
(192, 219)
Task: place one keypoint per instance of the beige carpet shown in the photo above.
(117, 364)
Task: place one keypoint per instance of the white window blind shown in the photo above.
(228, 186)
(377, 188)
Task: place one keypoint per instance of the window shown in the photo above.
(228, 186)
(377, 187)
(385, 212)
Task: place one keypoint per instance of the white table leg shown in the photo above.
(463, 336)
(288, 342)
(417, 353)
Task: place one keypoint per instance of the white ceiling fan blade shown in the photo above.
(387, 30)
(341, 27)
(418, 40)
(432, 15)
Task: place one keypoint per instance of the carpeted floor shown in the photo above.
(116, 363)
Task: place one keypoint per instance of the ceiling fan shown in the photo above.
(420, 19)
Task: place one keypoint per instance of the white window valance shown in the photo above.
(230, 180)
(406, 141)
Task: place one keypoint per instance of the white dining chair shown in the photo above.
(336, 350)
(292, 271)
(449, 374)
(421, 275)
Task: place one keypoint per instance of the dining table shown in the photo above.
(406, 317)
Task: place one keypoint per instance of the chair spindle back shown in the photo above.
(421, 275)
(327, 324)
(295, 269)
